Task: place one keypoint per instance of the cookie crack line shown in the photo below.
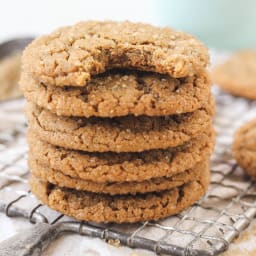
(53, 60)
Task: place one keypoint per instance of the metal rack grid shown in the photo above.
(207, 228)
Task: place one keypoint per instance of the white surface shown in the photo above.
(30, 17)
(75, 245)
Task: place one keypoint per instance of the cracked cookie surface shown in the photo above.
(120, 93)
(244, 147)
(117, 188)
(122, 167)
(95, 207)
(72, 55)
(238, 74)
(122, 134)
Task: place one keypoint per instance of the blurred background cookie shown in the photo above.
(10, 67)
(244, 147)
(9, 76)
(238, 74)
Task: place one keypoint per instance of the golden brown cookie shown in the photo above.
(117, 188)
(244, 147)
(122, 167)
(238, 74)
(71, 55)
(95, 207)
(122, 134)
(120, 93)
(9, 76)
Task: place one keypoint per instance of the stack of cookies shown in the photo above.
(120, 120)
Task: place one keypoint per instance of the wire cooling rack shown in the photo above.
(207, 228)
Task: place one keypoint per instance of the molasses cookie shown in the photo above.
(244, 147)
(117, 188)
(238, 74)
(110, 167)
(123, 93)
(95, 207)
(72, 55)
(122, 134)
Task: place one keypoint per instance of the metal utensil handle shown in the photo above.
(30, 242)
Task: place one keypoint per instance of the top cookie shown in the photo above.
(238, 74)
(71, 55)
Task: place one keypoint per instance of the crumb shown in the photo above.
(114, 242)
